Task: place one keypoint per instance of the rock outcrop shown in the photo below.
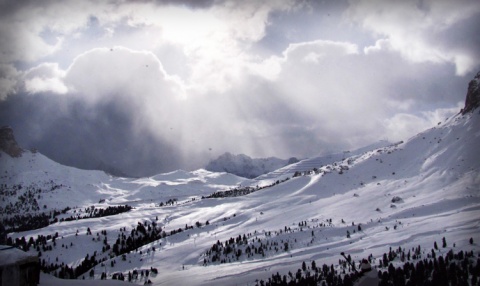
(473, 95)
(8, 144)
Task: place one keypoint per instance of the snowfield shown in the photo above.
(406, 194)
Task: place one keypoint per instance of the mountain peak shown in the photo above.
(472, 101)
(8, 144)
(245, 166)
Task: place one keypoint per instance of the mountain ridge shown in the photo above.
(245, 166)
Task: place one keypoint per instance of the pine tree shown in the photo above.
(471, 240)
(385, 259)
(435, 245)
(444, 242)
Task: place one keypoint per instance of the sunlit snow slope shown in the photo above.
(407, 194)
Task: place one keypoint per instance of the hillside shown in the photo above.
(406, 195)
(316, 162)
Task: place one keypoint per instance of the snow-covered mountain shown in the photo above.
(245, 166)
(207, 228)
(309, 164)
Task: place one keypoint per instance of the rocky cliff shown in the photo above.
(473, 95)
(8, 144)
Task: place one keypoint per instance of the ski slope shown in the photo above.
(406, 194)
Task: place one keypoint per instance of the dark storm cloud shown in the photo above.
(462, 36)
(91, 137)
(311, 20)
(9, 7)
(201, 4)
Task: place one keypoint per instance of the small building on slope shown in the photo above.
(18, 268)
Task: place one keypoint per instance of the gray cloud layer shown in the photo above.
(136, 88)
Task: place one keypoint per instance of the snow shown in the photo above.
(11, 255)
(49, 280)
(435, 173)
(316, 162)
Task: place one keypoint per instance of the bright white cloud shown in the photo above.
(8, 80)
(37, 84)
(339, 97)
(214, 41)
(297, 54)
(46, 77)
(380, 45)
(403, 125)
(103, 73)
(135, 80)
(334, 100)
(415, 28)
(23, 29)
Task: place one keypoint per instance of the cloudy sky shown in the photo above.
(154, 86)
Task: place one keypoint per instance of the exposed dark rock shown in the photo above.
(397, 199)
(8, 143)
(292, 160)
(473, 95)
